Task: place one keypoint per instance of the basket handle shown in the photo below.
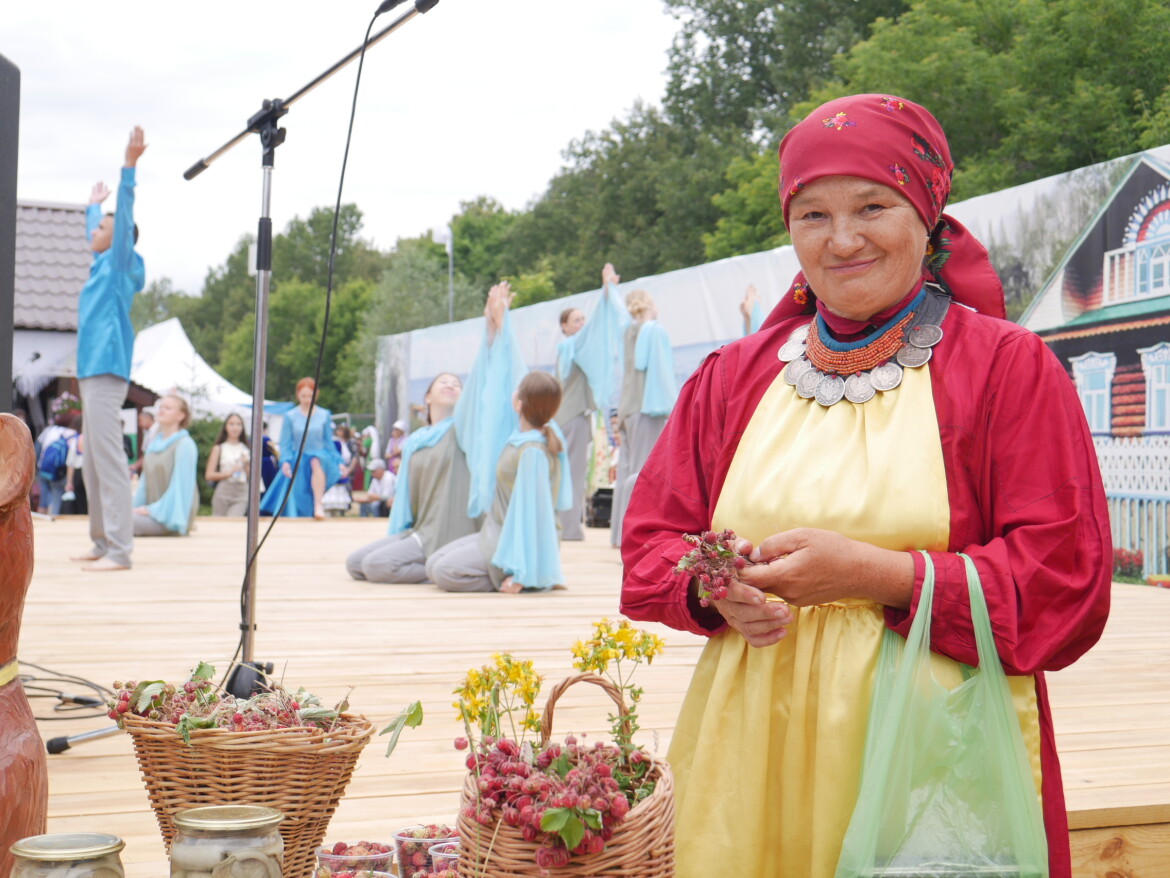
(546, 721)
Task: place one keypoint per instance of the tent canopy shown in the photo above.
(165, 361)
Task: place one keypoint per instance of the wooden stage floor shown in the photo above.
(394, 644)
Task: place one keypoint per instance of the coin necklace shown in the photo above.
(828, 371)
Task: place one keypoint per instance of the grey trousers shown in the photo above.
(107, 480)
(230, 498)
(459, 566)
(145, 526)
(394, 559)
(641, 434)
(578, 436)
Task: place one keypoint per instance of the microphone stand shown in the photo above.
(247, 673)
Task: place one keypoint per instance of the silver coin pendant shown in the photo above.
(830, 389)
(795, 369)
(806, 384)
(912, 357)
(925, 336)
(790, 350)
(887, 376)
(858, 388)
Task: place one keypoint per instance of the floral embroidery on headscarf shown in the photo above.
(800, 293)
(796, 186)
(937, 249)
(900, 174)
(839, 121)
(891, 104)
(938, 183)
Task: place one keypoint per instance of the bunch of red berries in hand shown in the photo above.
(571, 797)
(713, 561)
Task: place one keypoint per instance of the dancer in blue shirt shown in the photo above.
(105, 344)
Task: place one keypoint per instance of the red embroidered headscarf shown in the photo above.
(901, 145)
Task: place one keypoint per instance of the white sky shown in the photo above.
(477, 97)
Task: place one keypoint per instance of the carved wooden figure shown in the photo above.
(24, 780)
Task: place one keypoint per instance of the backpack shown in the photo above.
(53, 456)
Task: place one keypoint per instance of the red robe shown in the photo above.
(1027, 505)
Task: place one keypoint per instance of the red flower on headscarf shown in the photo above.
(900, 174)
(800, 293)
(891, 104)
(839, 121)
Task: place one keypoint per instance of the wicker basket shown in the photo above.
(303, 772)
(641, 847)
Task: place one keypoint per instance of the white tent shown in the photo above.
(165, 361)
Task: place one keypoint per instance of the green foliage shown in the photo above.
(481, 250)
(411, 715)
(412, 293)
(741, 64)
(535, 286)
(204, 432)
(154, 304)
(751, 218)
(1023, 88)
(637, 194)
(296, 310)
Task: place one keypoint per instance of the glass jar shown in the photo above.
(76, 854)
(233, 841)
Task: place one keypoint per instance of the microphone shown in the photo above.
(36, 355)
(387, 5)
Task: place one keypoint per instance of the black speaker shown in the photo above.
(9, 139)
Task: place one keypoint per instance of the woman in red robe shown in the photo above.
(973, 440)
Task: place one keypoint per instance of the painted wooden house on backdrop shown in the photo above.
(1105, 312)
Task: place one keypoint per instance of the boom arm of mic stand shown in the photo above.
(420, 6)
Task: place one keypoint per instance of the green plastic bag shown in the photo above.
(946, 786)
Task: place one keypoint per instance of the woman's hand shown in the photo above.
(609, 277)
(749, 299)
(287, 470)
(807, 566)
(760, 622)
(499, 300)
(141, 510)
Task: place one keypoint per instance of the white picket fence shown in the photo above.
(1136, 471)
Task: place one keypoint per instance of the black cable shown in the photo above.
(70, 704)
(320, 350)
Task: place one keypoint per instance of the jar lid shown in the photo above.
(67, 846)
(228, 817)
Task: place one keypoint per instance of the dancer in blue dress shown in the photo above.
(320, 464)
(518, 547)
(166, 500)
(446, 480)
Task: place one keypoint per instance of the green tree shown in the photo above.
(295, 315)
(229, 296)
(1023, 88)
(412, 293)
(480, 233)
(301, 251)
(751, 219)
(154, 304)
(741, 64)
(637, 194)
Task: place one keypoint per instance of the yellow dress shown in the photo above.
(767, 751)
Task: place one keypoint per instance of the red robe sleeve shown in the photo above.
(1027, 504)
